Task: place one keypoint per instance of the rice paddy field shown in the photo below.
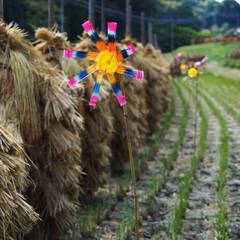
(64, 165)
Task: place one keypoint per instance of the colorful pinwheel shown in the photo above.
(183, 68)
(191, 70)
(107, 61)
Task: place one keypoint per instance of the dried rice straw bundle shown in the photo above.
(155, 55)
(138, 126)
(98, 133)
(16, 215)
(157, 88)
(98, 123)
(97, 138)
(49, 126)
(164, 68)
(51, 44)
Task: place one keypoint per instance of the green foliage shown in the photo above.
(204, 33)
(33, 13)
(224, 29)
(232, 63)
(182, 36)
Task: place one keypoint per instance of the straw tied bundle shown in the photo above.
(157, 89)
(49, 126)
(98, 124)
(16, 215)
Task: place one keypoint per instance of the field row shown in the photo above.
(190, 188)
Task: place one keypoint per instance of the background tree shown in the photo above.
(202, 15)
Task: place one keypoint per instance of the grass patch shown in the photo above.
(225, 91)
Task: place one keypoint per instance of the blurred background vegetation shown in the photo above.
(205, 18)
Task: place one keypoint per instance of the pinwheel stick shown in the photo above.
(133, 172)
(196, 115)
(132, 165)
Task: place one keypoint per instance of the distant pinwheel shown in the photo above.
(193, 71)
(107, 61)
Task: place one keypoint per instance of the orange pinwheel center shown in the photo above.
(107, 62)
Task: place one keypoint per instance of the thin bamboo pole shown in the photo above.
(155, 40)
(103, 21)
(132, 167)
(150, 33)
(62, 15)
(143, 39)
(130, 20)
(196, 116)
(127, 33)
(51, 13)
(1, 10)
(91, 11)
(133, 173)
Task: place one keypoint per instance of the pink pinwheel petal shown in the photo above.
(131, 48)
(72, 82)
(93, 101)
(68, 53)
(112, 27)
(139, 75)
(121, 100)
(88, 26)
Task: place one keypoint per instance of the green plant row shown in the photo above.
(203, 124)
(92, 215)
(127, 223)
(187, 179)
(227, 88)
(227, 105)
(221, 222)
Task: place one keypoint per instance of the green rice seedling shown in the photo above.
(213, 84)
(187, 179)
(221, 222)
(92, 215)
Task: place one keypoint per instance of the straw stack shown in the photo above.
(16, 215)
(157, 88)
(98, 133)
(98, 127)
(49, 126)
